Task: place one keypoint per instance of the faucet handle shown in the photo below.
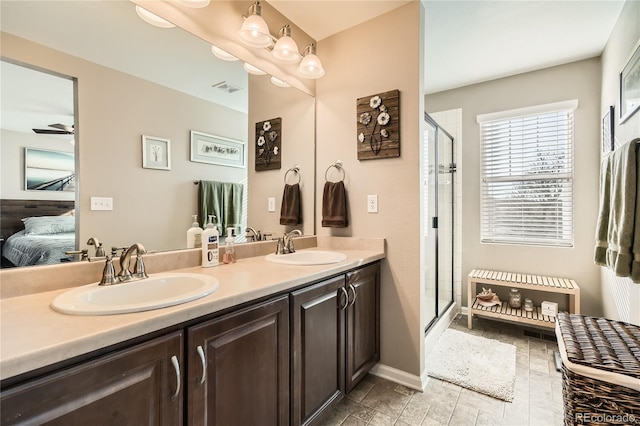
(289, 248)
(84, 253)
(109, 272)
(280, 246)
(140, 272)
(114, 250)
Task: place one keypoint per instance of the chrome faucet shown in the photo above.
(255, 235)
(125, 260)
(93, 241)
(287, 240)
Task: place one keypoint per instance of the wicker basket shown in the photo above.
(605, 353)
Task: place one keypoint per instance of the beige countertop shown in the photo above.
(33, 335)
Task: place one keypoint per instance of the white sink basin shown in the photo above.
(307, 257)
(157, 291)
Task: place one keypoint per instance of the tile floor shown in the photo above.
(537, 399)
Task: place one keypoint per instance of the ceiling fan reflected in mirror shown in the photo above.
(57, 129)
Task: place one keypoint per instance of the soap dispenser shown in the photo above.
(210, 241)
(194, 234)
(229, 255)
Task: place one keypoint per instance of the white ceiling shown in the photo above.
(468, 42)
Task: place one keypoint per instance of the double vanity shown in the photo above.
(267, 340)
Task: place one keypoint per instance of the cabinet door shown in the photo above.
(363, 323)
(244, 378)
(317, 322)
(136, 386)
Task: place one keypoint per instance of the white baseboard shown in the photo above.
(398, 376)
(464, 310)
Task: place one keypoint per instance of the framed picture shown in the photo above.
(269, 144)
(607, 131)
(630, 86)
(156, 153)
(217, 150)
(46, 170)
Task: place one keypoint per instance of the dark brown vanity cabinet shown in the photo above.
(277, 362)
(239, 367)
(335, 339)
(141, 385)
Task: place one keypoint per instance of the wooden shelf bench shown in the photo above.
(521, 281)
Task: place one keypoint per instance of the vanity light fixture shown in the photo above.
(195, 3)
(255, 31)
(286, 49)
(153, 19)
(221, 54)
(280, 83)
(252, 69)
(310, 66)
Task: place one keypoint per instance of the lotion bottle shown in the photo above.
(210, 242)
(229, 255)
(194, 234)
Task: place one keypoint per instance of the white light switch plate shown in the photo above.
(271, 204)
(372, 204)
(101, 203)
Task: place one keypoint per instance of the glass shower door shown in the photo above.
(446, 169)
(438, 172)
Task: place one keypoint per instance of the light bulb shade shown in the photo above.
(276, 81)
(286, 49)
(252, 69)
(153, 19)
(221, 54)
(310, 66)
(195, 3)
(255, 31)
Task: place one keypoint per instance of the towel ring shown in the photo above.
(295, 169)
(338, 166)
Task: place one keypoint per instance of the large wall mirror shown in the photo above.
(132, 79)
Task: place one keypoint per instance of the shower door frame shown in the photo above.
(434, 221)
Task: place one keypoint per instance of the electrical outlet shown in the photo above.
(101, 203)
(372, 204)
(271, 204)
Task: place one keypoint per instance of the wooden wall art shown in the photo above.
(268, 144)
(378, 129)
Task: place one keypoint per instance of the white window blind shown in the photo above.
(527, 176)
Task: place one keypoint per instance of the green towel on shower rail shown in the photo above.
(224, 201)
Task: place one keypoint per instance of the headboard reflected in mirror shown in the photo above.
(36, 232)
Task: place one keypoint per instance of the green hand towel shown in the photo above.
(210, 202)
(225, 201)
(622, 230)
(602, 225)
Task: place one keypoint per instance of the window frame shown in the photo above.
(525, 233)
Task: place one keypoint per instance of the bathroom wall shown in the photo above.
(620, 296)
(578, 80)
(379, 55)
(114, 110)
(298, 121)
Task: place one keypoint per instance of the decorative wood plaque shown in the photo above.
(269, 144)
(378, 128)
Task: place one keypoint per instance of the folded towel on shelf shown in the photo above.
(623, 236)
(604, 206)
(334, 205)
(290, 212)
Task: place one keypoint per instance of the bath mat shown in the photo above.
(477, 363)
